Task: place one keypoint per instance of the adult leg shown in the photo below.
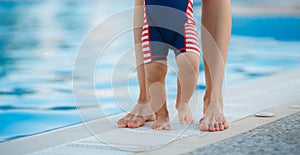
(188, 64)
(140, 114)
(216, 31)
(156, 72)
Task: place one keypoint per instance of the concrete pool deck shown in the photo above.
(279, 137)
(275, 93)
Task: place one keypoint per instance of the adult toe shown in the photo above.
(121, 123)
(212, 128)
(226, 125)
(136, 123)
(221, 125)
(204, 127)
(217, 127)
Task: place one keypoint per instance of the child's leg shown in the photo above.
(188, 64)
(155, 83)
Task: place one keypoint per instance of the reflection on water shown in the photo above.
(38, 45)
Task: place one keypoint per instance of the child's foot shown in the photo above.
(184, 113)
(161, 123)
(214, 119)
(137, 117)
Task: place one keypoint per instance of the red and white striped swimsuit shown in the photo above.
(168, 24)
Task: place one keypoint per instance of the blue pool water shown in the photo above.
(39, 41)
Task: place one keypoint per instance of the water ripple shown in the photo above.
(18, 92)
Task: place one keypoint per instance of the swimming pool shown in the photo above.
(38, 48)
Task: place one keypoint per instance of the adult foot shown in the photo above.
(214, 119)
(161, 123)
(137, 117)
(184, 113)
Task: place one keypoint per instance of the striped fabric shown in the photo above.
(146, 39)
(191, 42)
(190, 33)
